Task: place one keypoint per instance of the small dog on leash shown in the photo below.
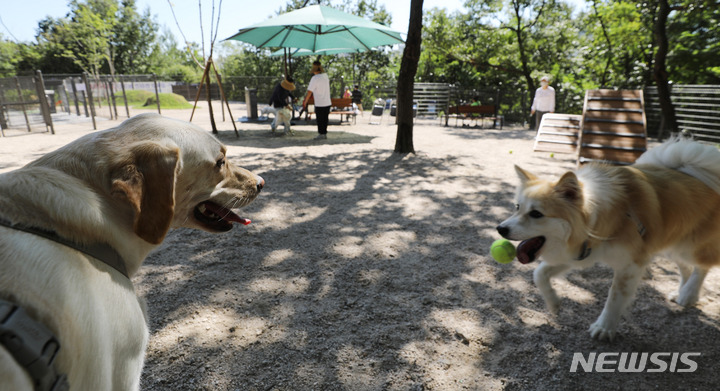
(282, 115)
(669, 200)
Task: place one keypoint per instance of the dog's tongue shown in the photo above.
(527, 249)
(225, 214)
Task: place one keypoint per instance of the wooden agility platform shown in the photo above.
(614, 128)
(558, 133)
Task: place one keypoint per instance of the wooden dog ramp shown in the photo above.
(613, 127)
(558, 133)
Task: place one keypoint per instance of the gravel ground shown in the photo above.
(367, 270)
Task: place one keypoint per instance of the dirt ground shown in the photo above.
(367, 270)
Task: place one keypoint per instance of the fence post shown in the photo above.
(122, 85)
(106, 89)
(44, 105)
(84, 100)
(3, 120)
(112, 95)
(22, 103)
(157, 95)
(74, 90)
(88, 88)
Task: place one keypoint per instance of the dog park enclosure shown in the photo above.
(698, 107)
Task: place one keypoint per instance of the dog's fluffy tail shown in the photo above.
(690, 157)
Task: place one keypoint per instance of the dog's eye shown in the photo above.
(517, 206)
(535, 214)
(220, 163)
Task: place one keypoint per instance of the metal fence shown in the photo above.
(24, 103)
(697, 108)
(33, 101)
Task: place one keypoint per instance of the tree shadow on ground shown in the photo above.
(269, 140)
(367, 271)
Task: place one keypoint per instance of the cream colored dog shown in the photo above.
(123, 189)
(669, 200)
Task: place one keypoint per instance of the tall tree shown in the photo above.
(668, 124)
(406, 80)
(133, 38)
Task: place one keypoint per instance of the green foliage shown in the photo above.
(9, 57)
(136, 98)
(492, 45)
(141, 99)
(168, 101)
(510, 44)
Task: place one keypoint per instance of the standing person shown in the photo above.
(544, 101)
(357, 98)
(347, 94)
(319, 89)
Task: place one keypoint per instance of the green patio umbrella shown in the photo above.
(297, 52)
(318, 28)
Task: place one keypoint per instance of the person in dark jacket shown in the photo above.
(357, 98)
(281, 101)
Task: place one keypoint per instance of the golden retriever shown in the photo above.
(121, 189)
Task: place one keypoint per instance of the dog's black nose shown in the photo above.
(260, 183)
(503, 231)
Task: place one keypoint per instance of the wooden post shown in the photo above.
(3, 120)
(157, 95)
(222, 95)
(122, 85)
(84, 100)
(44, 105)
(107, 95)
(88, 88)
(197, 96)
(112, 95)
(75, 97)
(22, 103)
(209, 96)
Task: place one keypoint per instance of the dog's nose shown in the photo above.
(503, 231)
(260, 183)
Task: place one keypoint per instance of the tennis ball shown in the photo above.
(502, 251)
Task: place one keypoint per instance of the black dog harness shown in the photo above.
(101, 251)
(32, 344)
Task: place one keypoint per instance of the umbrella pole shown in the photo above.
(289, 66)
(285, 60)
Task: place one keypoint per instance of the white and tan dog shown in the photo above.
(667, 201)
(282, 115)
(121, 190)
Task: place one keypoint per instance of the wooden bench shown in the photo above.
(341, 106)
(480, 112)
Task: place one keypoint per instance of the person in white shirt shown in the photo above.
(319, 89)
(544, 101)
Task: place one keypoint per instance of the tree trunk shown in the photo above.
(525, 69)
(406, 80)
(668, 123)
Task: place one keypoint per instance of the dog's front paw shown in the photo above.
(552, 302)
(685, 300)
(601, 331)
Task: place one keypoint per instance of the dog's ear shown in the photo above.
(569, 187)
(524, 176)
(146, 180)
